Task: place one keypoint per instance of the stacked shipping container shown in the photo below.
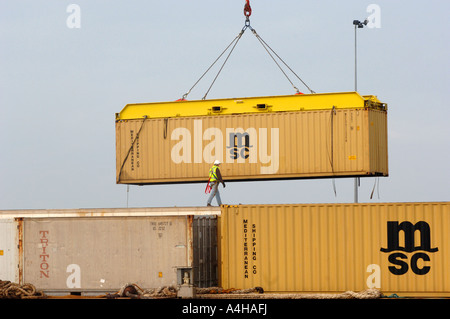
(92, 250)
(398, 248)
(401, 248)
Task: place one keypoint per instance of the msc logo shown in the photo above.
(400, 259)
(239, 145)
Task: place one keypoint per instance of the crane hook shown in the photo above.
(247, 9)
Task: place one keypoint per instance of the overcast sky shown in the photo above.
(60, 88)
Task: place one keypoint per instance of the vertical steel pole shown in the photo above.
(356, 65)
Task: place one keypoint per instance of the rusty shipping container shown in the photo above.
(286, 137)
(401, 248)
(101, 250)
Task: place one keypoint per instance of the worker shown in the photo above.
(215, 178)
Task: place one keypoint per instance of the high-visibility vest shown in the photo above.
(212, 173)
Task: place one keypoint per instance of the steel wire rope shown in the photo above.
(220, 70)
(265, 45)
(247, 13)
(331, 156)
(377, 185)
(131, 147)
(234, 40)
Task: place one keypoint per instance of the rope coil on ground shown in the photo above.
(136, 292)
(10, 290)
(366, 294)
(219, 290)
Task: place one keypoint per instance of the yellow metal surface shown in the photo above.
(302, 102)
(401, 248)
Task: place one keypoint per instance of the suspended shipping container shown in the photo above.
(91, 250)
(281, 137)
(401, 248)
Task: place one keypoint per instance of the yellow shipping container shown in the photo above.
(301, 136)
(401, 248)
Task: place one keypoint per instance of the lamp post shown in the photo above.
(358, 25)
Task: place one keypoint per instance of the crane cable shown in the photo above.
(247, 14)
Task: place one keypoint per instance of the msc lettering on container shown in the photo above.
(249, 249)
(398, 257)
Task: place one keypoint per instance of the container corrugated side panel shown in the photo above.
(105, 253)
(282, 145)
(378, 141)
(333, 248)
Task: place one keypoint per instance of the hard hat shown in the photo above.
(216, 162)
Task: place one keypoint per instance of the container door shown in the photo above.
(205, 251)
(8, 250)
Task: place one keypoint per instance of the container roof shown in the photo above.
(229, 106)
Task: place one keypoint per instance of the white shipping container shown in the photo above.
(8, 250)
(97, 250)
